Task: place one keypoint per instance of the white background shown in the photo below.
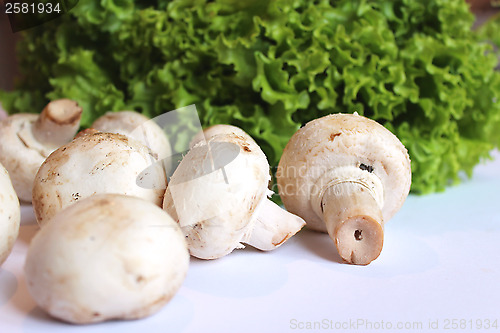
(440, 262)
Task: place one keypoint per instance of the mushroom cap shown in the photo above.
(341, 140)
(215, 191)
(107, 257)
(218, 129)
(94, 164)
(137, 126)
(20, 153)
(10, 215)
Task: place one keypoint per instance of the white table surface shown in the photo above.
(440, 267)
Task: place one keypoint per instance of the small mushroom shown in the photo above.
(346, 175)
(10, 215)
(107, 257)
(27, 139)
(95, 163)
(218, 194)
(139, 127)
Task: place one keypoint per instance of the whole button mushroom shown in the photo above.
(96, 163)
(346, 175)
(27, 139)
(137, 126)
(107, 257)
(218, 194)
(10, 215)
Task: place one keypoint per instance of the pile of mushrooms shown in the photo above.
(346, 175)
(27, 139)
(218, 194)
(97, 200)
(107, 250)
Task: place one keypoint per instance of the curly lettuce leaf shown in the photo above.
(271, 66)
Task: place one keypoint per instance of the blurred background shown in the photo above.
(7, 56)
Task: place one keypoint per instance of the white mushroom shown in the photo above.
(346, 175)
(107, 257)
(10, 215)
(93, 164)
(139, 127)
(218, 195)
(27, 139)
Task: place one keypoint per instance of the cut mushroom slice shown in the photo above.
(139, 127)
(106, 257)
(10, 215)
(96, 163)
(346, 175)
(27, 139)
(218, 194)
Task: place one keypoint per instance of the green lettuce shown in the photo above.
(270, 66)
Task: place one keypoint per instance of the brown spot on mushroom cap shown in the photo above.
(244, 142)
(333, 136)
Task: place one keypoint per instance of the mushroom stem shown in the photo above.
(272, 226)
(354, 221)
(58, 123)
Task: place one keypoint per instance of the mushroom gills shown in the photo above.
(354, 222)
